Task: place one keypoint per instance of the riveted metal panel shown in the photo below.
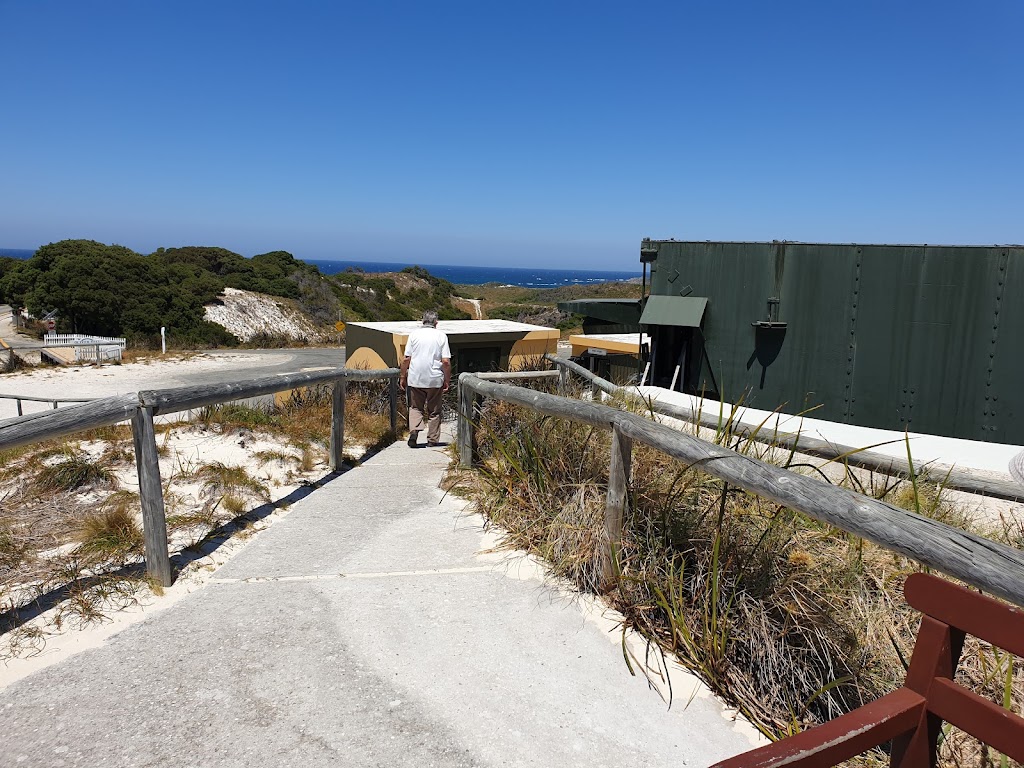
(738, 279)
(925, 337)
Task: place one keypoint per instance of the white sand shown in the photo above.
(189, 446)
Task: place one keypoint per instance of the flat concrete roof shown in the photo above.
(456, 327)
(925, 449)
(614, 343)
(621, 338)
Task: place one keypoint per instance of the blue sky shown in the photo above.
(550, 134)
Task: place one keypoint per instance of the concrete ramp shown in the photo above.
(369, 627)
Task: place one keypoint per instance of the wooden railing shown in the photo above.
(51, 400)
(985, 564)
(141, 408)
(955, 479)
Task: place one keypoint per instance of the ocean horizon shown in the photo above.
(525, 277)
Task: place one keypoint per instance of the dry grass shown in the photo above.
(74, 470)
(113, 534)
(790, 620)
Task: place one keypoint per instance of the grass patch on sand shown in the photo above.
(112, 533)
(74, 470)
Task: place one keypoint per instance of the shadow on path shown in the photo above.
(217, 537)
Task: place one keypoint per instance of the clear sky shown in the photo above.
(525, 133)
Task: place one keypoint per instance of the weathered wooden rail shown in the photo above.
(988, 565)
(51, 400)
(954, 479)
(141, 408)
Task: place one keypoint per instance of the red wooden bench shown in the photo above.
(911, 717)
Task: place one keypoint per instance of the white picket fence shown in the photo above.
(89, 348)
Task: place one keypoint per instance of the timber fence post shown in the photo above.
(615, 504)
(154, 521)
(563, 380)
(465, 425)
(393, 394)
(337, 424)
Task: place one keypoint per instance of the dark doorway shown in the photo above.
(680, 347)
(477, 359)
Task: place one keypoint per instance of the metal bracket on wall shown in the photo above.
(773, 316)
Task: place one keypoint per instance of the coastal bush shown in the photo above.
(112, 291)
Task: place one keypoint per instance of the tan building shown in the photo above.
(614, 356)
(476, 345)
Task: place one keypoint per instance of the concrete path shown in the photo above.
(366, 628)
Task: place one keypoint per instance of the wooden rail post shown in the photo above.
(615, 504)
(337, 425)
(154, 521)
(393, 394)
(563, 380)
(465, 435)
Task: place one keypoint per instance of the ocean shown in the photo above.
(16, 253)
(463, 275)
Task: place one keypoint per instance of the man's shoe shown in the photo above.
(435, 444)
(412, 439)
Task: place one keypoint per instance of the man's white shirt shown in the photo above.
(425, 349)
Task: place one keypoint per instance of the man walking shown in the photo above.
(426, 372)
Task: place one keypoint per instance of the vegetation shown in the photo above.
(73, 471)
(788, 619)
(538, 306)
(400, 296)
(110, 290)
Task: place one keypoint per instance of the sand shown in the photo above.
(188, 447)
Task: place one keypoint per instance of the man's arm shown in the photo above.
(403, 376)
(446, 368)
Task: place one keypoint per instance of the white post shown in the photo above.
(643, 378)
(675, 376)
(163, 340)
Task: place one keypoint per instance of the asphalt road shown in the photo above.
(273, 362)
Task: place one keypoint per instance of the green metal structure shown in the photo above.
(929, 338)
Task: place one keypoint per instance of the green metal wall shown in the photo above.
(925, 337)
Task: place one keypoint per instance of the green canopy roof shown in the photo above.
(685, 311)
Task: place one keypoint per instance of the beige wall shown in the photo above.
(372, 349)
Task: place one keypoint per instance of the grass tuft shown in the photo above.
(220, 479)
(74, 471)
(112, 533)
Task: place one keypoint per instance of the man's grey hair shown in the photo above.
(430, 317)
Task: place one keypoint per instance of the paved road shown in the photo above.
(269, 362)
(369, 627)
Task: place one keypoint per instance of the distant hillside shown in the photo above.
(113, 291)
(401, 295)
(539, 305)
